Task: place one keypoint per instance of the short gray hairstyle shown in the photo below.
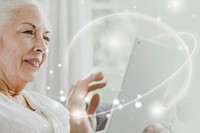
(9, 8)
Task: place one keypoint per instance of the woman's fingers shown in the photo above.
(155, 128)
(152, 129)
(83, 87)
(93, 104)
(92, 109)
(94, 77)
(82, 91)
(96, 86)
(75, 102)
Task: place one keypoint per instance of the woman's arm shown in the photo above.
(81, 120)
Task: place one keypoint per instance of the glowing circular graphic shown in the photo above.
(106, 43)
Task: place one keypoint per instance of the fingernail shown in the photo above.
(100, 73)
(150, 128)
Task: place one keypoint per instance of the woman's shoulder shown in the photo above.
(55, 107)
(42, 99)
(45, 101)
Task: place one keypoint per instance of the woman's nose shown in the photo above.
(40, 46)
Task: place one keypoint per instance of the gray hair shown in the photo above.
(9, 8)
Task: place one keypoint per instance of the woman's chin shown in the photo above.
(30, 78)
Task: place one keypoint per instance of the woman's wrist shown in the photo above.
(81, 125)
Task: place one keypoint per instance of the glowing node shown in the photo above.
(51, 71)
(108, 115)
(80, 96)
(45, 125)
(158, 18)
(112, 89)
(138, 104)
(59, 65)
(157, 111)
(139, 96)
(134, 7)
(194, 15)
(78, 114)
(116, 102)
(47, 51)
(61, 92)
(62, 98)
(175, 3)
(48, 88)
(113, 42)
(126, 11)
(56, 104)
(120, 106)
(186, 47)
(169, 6)
(87, 99)
(82, 1)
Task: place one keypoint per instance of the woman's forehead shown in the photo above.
(33, 16)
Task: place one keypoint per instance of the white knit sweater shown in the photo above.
(49, 116)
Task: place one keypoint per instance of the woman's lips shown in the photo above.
(34, 62)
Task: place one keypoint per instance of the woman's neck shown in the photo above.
(14, 94)
(6, 89)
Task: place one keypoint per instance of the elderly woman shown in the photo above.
(24, 39)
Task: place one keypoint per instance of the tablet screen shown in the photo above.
(150, 64)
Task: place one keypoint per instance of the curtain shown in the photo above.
(66, 18)
(52, 78)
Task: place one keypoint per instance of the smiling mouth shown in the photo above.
(33, 62)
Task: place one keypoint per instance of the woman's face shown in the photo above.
(23, 46)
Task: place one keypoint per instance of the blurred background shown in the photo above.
(68, 17)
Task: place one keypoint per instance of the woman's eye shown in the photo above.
(28, 32)
(46, 38)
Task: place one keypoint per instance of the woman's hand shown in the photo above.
(82, 121)
(166, 122)
(155, 128)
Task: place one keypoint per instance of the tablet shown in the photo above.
(150, 64)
